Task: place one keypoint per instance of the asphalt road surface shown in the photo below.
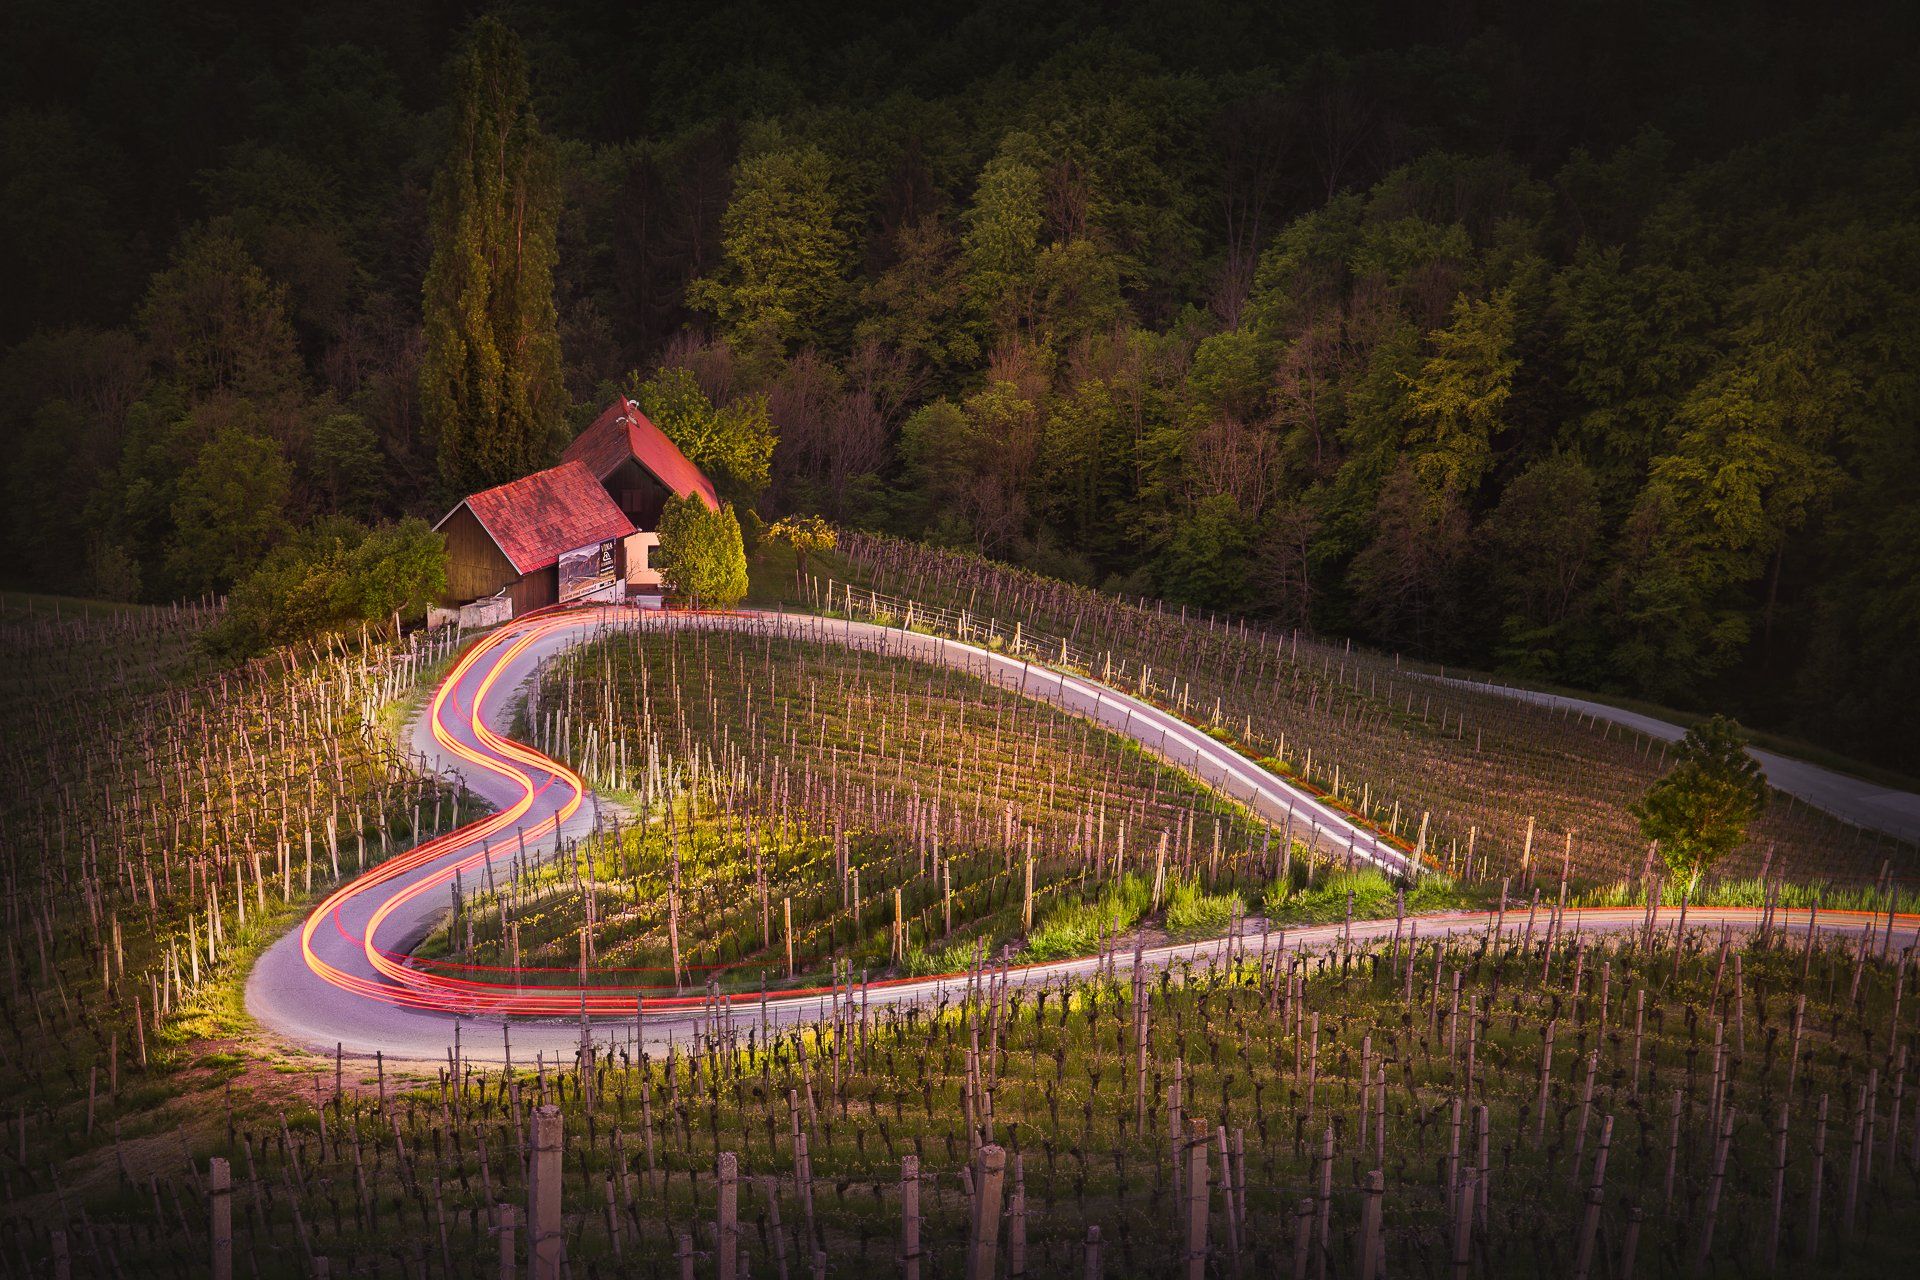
(343, 980)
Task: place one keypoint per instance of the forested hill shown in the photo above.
(1573, 340)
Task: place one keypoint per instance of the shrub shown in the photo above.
(329, 579)
(1373, 897)
(702, 554)
(955, 957)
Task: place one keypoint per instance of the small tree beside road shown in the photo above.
(702, 555)
(1700, 810)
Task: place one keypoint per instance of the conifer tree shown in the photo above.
(1700, 810)
(490, 383)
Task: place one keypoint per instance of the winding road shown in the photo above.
(342, 980)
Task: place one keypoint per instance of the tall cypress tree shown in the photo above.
(490, 383)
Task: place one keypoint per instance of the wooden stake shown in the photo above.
(910, 1218)
(1198, 1199)
(220, 1201)
(545, 1244)
(982, 1248)
(728, 1241)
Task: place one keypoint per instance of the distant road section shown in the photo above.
(1865, 804)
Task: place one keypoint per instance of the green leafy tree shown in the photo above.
(733, 444)
(918, 305)
(1700, 810)
(1405, 581)
(702, 554)
(490, 383)
(1461, 390)
(398, 568)
(230, 508)
(331, 578)
(348, 469)
(216, 324)
(807, 535)
(783, 250)
(1542, 541)
(1001, 245)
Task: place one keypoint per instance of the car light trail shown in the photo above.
(540, 782)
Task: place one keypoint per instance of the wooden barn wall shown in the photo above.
(475, 566)
(535, 591)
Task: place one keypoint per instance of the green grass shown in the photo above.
(1750, 891)
(955, 957)
(1193, 912)
(1075, 928)
(1325, 902)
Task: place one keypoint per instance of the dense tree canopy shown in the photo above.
(1569, 341)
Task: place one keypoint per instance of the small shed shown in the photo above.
(639, 468)
(552, 536)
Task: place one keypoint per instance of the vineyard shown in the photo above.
(1503, 785)
(795, 804)
(162, 822)
(1267, 1059)
(1491, 1103)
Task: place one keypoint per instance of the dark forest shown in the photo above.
(1574, 341)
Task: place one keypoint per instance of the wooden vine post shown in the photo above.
(545, 1242)
(727, 1239)
(220, 1203)
(986, 1214)
(1198, 1198)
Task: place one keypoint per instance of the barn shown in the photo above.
(639, 468)
(584, 530)
(549, 537)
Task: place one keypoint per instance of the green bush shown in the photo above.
(1373, 897)
(329, 579)
(955, 957)
(702, 554)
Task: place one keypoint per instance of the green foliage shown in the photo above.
(1374, 897)
(1699, 811)
(702, 555)
(491, 387)
(331, 578)
(956, 957)
(1461, 393)
(1193, 912)
(231, 508)
(1001, 245)
(732, 444)
(807, 535)
(783, 252)
(215, 323)
(1074, 928)
(344, 458)
(1079, 293)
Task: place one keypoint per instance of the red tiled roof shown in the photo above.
(535, 518)
(623, 432)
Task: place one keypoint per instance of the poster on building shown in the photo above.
(586, 571)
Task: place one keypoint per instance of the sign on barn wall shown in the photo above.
(586, 571)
